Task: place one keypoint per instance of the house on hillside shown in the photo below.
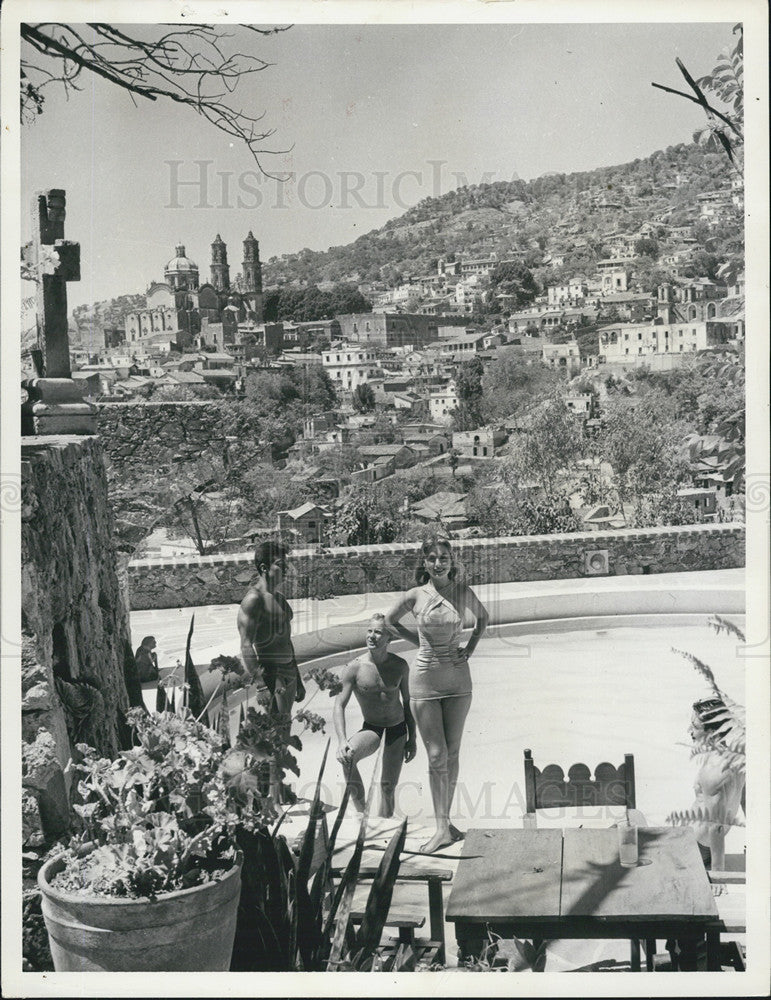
(321, 486)
(445, 508)
(402, 455)
(309, 521)
(409, 401)
(703, 500)
(601, 518)
(565, 358)
(375, 471)
(579, 404)
(442, 402)
(479, 443)
(436, 444)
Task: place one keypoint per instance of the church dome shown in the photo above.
(180, 264)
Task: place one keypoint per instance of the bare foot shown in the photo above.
(455, 833)
(440, 839)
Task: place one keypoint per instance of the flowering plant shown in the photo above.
(161, 816)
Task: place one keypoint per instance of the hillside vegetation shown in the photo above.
(568, 213)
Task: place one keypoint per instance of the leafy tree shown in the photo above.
(514, 278)
(468, 382)
(364, 398)
(500, 508)
(364, 519)
(310, 303)
(642, 446)
(646, 247)
(550, 444)
(339, 462)
(703, 264)
(510, 385)
(655, 510)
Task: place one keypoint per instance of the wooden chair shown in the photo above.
(548, 788)
(610, 786)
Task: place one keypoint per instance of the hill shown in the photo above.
(566, 214)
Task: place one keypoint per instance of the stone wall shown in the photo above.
(222, 579)
(153, 435)
(74, 622)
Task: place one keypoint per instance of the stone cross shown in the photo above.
(55, 403)
(48, 213)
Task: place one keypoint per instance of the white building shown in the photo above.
(564, 357)
(634, 343)
(350, 365)
(571, 293)
(442, 402)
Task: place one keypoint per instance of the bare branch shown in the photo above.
(187, 65)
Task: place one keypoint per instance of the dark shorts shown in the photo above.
(392, 733)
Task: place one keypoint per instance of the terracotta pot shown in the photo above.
(190, 930)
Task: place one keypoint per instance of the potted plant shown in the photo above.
(151, 882)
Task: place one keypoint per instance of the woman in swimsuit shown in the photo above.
(440, 679)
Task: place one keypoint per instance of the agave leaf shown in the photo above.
(281, 819)
(322, 875)
(308, 931)
(720, 624)
(701, 668)
(293, 918)
(341, 911)
(309, 840)
(404, 960)
(262, 909)
(379, 900)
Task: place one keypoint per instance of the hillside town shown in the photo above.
(466, 494)
(403, 376)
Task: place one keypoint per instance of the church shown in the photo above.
(182, 314)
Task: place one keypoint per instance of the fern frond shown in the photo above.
(688, 817)
(702, 668)
(736, 760)
(724, 625)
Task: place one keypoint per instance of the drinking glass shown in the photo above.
(627, 844)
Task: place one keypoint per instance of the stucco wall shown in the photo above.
(222, 579)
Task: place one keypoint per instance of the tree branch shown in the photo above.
(703, 103)
(187, 65)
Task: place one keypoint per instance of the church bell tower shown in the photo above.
(220, 272)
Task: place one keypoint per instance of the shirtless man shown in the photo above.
(264, 626)
(379, 681)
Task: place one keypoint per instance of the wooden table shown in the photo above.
(550, 884)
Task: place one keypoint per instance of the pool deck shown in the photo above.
(593, 684)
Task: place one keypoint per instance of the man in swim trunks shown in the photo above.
(379, 680)
(264, 626)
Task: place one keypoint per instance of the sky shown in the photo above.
(373, 118)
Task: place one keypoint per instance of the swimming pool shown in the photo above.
(580, 676)
(586, 690)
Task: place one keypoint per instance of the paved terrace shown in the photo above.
(573, 680)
